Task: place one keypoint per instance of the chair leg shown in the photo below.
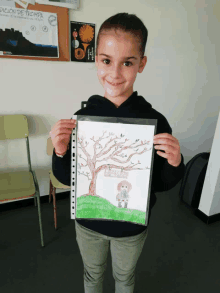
(51, 188)
(40, 221)
(54, 207)
(35, 200)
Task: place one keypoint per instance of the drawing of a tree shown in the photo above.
(110, 151)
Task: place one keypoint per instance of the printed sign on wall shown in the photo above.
(82, 41)
(28, 33)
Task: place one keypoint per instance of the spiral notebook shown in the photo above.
(111, 168)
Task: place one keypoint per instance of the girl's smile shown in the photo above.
(116, 84)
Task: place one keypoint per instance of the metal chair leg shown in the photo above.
(40, 221)
(51, 188)
(35, 201)
(54, 207)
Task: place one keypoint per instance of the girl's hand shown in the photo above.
(61, 133)
(168, 143)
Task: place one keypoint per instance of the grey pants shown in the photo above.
(125, 253)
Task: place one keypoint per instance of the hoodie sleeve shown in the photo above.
(62, 166)
(165, 176)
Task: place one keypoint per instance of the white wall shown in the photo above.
(210, 197)
(180, 80)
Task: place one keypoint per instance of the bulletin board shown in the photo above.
(63, 32)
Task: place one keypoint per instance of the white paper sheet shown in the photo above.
(71, 4)
(111, 169)
(10, 3)
(24, 3)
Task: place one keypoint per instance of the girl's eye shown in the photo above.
(104, 60)
(109, 60)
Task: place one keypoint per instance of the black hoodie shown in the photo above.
(164, 176)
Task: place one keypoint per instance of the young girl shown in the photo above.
(119, 57)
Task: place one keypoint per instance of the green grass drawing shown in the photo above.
(95, 207)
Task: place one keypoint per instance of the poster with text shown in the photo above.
(28, 33)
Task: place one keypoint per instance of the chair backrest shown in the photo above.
(49, 147)
(13, 126)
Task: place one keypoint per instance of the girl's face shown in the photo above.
(124, 187)
(114, 66)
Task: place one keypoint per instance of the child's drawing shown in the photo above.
(103, 158)
(109, 151)
(123, 187)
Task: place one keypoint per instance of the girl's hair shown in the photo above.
(128, 23)
(124, 182)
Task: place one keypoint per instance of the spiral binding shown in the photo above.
(73, 174)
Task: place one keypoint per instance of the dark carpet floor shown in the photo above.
(180, 255)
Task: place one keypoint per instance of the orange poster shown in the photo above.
(82, 42)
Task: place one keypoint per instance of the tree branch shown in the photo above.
(84, 174)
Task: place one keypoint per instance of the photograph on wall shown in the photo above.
(28, 33)
(82, 41)
(113, 168)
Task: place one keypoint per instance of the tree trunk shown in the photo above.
(92, 186)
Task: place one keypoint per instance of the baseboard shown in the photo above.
(199, 214)
(30, 201)
(206, 219)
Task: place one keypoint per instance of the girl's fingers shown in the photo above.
(67, 122)
(63, 127)
(62, 130)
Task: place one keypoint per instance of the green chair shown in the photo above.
(20, 184)
(54, 183)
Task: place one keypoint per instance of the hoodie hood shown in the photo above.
(133, 102)
(134, 107)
